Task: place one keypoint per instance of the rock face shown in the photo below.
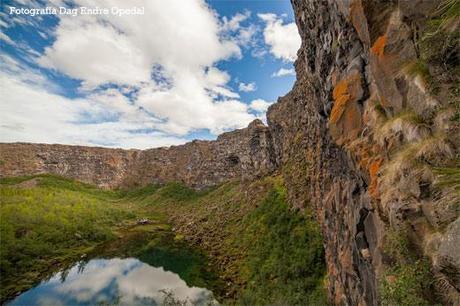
(358, 141)
(103, 167)
(241, 154)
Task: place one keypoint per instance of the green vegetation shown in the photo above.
(442, 30)
(274, 255)
(404, 285)
(179, 192)
(439, 48)
(449, 177)
(140, 193)
(379, 108)
(61, 183)
(417, 67)
(271, 254)
(48, 224)
(407, 280)
(285, 258)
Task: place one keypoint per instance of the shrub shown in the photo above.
(407, 281)
(285, 258)
(404, 285)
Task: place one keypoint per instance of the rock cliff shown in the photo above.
(362, 136)
(241, 154)
(368, 140)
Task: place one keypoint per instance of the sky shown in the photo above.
(140, 74)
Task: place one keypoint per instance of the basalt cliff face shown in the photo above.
(362, 140)
(241, 154)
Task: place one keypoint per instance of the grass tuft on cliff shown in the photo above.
(440, 40)
(416, 68)
(449, 177)
(439, 48)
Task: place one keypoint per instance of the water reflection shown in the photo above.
(113, 282)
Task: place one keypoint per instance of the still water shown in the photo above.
(137, 270)
(113, 282)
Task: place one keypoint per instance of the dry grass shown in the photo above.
(434, 150)
(414, 164)
(407, 124)
(417, 67)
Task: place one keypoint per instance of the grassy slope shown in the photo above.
(264, 252)
(48, 222)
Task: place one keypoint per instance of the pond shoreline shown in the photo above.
(137, 243)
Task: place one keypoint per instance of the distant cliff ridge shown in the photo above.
(368, 138)
(241, 154)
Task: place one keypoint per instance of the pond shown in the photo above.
(147, 273)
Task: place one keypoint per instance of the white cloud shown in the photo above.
(188, 92)
(283, 39)
(260, 105)
(247, 87)
(31, 111)
(258, 52)
(215, 82)
(246, 35)
(6, 39)
(3, 24)
(238, 30)
(131, 279)
(234, 23)
(96, 53)
(283, 72)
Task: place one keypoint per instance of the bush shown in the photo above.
(179, 192)
(408, 280)
(404, 285)
(285, 258)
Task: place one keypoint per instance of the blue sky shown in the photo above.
(169, 72)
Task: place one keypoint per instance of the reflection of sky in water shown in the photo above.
(111, 281)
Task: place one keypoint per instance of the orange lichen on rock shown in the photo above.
(373, 171)
(345, 119)
(347, 90)
(379, 46)
(341, 97)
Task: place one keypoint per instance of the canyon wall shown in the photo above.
(360, 140)
(241, 154)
